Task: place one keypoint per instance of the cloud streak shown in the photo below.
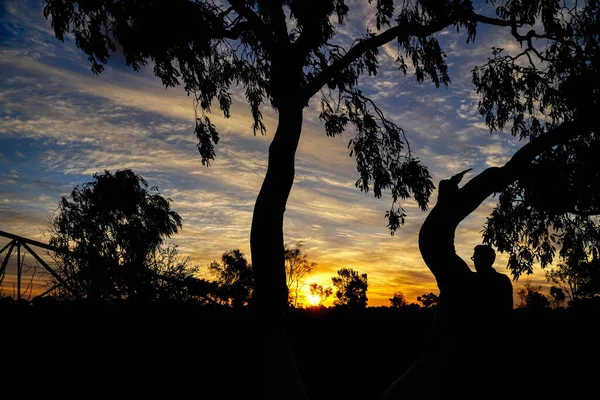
(59, 124)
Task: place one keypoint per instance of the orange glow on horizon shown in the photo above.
(313, 299)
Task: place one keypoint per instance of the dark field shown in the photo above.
(186, 352)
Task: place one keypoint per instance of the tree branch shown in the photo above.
(513, 24)
(225, 12)
(236, 30)
(527, 153)
(309, 38)
(495, 180)
(407, 29)
(254, 20)
(495, 21)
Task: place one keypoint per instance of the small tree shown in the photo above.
(177, 278)
(234, 278)
(428, 300)
(351, 288)
(578, 277)
(297, 266)
(110, 232)
(398, 300)
(557, 297)
(320, 292)
(532, 297)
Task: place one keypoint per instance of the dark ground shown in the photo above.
(181, 352)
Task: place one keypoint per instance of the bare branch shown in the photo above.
(416, 29)
(495, 21)
(513, 24)
(225, 13)
(236, 30)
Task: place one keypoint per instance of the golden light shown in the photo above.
(314, 299)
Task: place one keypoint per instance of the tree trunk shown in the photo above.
(281, 378)
(443, 219)
(266, 236)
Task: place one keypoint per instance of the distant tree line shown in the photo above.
(575, 284)
(112, 238)
(111, 235)
(427, 301)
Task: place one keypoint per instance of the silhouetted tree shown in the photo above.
(297, 266)
(557, 297)
(234, 277)
(286, 52)
(428, 300)
(398, 300)
(177, 278)
(321, 292)
(550, 188)
(591, 286)
(532, 297)
(283, 53)
(111, 231)
(578, 277)
(351, 288)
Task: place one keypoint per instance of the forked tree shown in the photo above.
(285, 53)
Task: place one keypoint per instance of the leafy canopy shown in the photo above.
(109, 231)
(577, 279)
(555, 79)
(282, 53)
(320, 293)
(532, 297)
(428, 300)
(398, 300)
(351, 288)
(234, 278)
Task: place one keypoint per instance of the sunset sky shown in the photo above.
(59, 124)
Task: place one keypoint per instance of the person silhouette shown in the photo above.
(473, 307)
(496, 297)
(466, 297)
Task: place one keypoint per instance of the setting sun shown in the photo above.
(313, 299)
(358, 200)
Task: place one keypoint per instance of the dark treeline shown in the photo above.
(111, 235)
(211, 351)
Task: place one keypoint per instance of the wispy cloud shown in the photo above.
(59, 124)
